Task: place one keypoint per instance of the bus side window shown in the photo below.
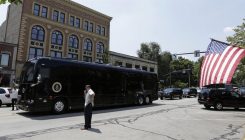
(45, 73)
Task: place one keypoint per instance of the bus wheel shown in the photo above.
(147, 100)
(59, 106)
(140, 100)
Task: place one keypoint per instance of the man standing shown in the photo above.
(89, 103)
(14, 96)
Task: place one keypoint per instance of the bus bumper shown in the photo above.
(34, 106)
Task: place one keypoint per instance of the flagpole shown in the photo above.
(220, 41)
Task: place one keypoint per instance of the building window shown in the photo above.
(98, 29)
(103, 31)
(77, 23)
(36, 9)
(118, 63)
(99, 60)
(144, 68)
(85, 25)
(100, 47)
(87, 59)
(73, 56)
(72, 20)
(87, 45)
(128, 65)
(37, 33)
(57, 38)
(73, 41)
(4, 59)
(35, 52)
(56, 54)
(55, 15)
(137, 66)
(152, 70)
(91, 26)
(44, 12)
(62, 17)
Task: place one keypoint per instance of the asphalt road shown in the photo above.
(163, 120)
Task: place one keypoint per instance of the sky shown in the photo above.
(178, 26)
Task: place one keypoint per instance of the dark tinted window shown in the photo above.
(2, 91)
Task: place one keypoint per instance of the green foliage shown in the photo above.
(10, 1)
(239, 37)
(105, 56)
(149, 51)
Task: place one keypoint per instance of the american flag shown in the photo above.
(220, 63)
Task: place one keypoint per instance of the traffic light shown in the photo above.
(197, 53)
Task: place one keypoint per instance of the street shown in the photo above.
(163, 120)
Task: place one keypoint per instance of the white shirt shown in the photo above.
(14, 94)
(89, 97)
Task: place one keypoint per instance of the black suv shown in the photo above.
(171, 93)
(221, 97)
(188, 92)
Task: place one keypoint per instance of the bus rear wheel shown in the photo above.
(59, 106)
(140, 100)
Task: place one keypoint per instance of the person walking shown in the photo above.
(89, 103)
(14, 97)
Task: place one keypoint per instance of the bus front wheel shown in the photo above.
(147, 100)
(59, 106)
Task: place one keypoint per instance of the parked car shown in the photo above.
(171, 93)
(221, 97)
(5, 98)
(188, 92)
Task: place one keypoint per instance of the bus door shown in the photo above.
(133, 87)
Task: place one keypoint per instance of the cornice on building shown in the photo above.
(79, 7)
(131, 57)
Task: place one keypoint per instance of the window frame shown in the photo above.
(36, 10)
(1, 59)
(43, 12)
(55, 18)
(35, 54)
(72, 43)
(57, 38)
(39, 29)
(87, 45)
(100, 45)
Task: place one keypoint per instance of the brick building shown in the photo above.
(56, 28)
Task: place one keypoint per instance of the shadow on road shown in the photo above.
(94, 130)
(74, 113)
(226, 109)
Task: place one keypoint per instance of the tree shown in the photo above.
(149, 51)
(10, 1)
(239, 37)
(239, 40)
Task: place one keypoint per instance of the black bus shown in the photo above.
(50, 84)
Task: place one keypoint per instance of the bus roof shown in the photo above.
(64, 60)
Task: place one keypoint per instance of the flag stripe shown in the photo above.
(202, 70)
(225, 62)
(240, 56)
(212, 66)
(217, 68)
(206, 69)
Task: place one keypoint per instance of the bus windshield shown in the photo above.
(27, 74)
